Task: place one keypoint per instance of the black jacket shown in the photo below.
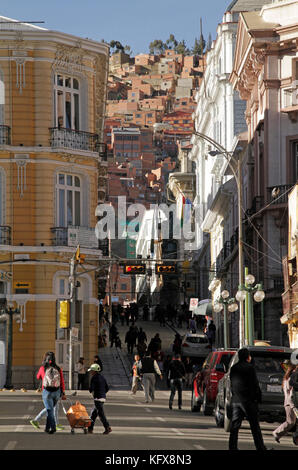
(147, 365)
(176, 370)
(244, 383)
(98, 386)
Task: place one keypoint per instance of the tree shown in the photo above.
(171, 42)
(181, 48)
(157, 46)
(116, 45)
(199, 46)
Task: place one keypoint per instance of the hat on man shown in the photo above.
(95, 367)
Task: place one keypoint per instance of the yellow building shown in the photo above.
(52, 104)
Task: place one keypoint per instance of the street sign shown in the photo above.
(74, 334)
(193, 303)
(22, 285)
(64, 314)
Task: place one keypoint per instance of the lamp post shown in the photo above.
(236, 170)
(246, 292)
(8, 312)
(227, 304)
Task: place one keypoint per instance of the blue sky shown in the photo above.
(132, 22)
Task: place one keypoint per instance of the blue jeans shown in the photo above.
(44, 412)
(50, 400)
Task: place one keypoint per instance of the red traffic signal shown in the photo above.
(134, 269)
(165, 269)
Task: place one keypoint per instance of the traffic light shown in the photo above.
(64, 314)
(165, 269)
(79, 257)
(134, 269)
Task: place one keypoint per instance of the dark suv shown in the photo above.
(268, 364)
(204, 385)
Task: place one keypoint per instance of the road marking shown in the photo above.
(10, 445)
(160, 419)
(196, 446)
(177, 432)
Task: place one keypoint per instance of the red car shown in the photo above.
(204, 386)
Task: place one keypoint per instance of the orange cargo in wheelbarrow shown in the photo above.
(78, 417)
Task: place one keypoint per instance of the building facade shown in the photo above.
(53, 89)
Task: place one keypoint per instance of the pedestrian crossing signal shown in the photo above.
(165, 269)
(134, 269)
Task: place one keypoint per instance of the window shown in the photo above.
(66, 102)
(69, 199)
(123, 286)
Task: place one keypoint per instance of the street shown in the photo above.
(135, 424)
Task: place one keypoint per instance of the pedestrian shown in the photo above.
(148, 368)
(98, 388)
(210, 333)
(188, 372)
(166, 366)
(97, 360)
(246, 394)
(288, 404)
(145, 312)
(142, 348)
(142, 335)
(136, 378)
(81, 369)
(113, 334)
(176, 376)
(192, 325)
(177, 344)
(118, 342)
(130, 340)
(294, 384)
(53, 388)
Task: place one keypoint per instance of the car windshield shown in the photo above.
(196, 339)
(268, 362)
(225, 360)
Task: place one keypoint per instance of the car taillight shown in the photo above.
(185, 345)
(215, 376)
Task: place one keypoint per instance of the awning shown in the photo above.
(204, 308)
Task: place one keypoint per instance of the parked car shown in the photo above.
(268, 362)
(195, 345)
(204, 385)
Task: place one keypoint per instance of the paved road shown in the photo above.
(136, 426)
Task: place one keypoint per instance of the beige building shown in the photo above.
(52, 103)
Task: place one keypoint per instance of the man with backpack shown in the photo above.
(176, 377)
(53, 387)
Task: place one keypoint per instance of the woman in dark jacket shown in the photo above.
(98, 388)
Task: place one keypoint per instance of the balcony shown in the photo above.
(75, 140)
(279, 194)
(5, 235)
(4, 135)
(73, 236)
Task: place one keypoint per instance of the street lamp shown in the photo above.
(226, 304)
(236, 170)
(8, 313)
(246, 292)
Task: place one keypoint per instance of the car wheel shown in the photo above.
(195, 406)
(206, 408)
(219, 417)
(227, 421)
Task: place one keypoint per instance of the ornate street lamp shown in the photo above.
(226, 304)
(245, 292)
(7, 313)
(236, 170)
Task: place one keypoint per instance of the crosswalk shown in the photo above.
(133, 420)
